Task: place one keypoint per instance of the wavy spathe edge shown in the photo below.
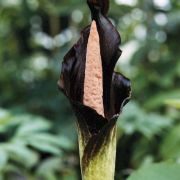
(96, 133)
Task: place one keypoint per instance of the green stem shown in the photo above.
(100, 166)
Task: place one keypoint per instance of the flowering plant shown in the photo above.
(96, 92)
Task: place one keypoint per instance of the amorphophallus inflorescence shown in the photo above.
(96, 92)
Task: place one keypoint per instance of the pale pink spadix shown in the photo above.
(93, 82)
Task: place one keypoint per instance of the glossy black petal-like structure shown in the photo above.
(94, 128)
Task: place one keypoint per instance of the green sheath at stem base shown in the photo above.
(100, 166)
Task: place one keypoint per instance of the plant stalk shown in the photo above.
(100, 166)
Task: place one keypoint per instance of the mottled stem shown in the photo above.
(102, 165)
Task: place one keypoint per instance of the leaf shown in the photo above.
(170, 147)
(50, 166)
(161, 171)
(4, 119)
(45, 142)
(134, 119)
(158, 100)
(3, 114)
(70, 175)
(48, 176)
(174, 103)
(32, 125)
(65, 143)
(21, 154)
(3, 158)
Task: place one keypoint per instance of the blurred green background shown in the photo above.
(38, 139)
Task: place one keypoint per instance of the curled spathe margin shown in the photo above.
(95, 131)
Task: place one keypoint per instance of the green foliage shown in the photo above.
(162, 171)
(174, 103)
(170, 147)
(147, 130)
(27, 139)
(134, 119)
